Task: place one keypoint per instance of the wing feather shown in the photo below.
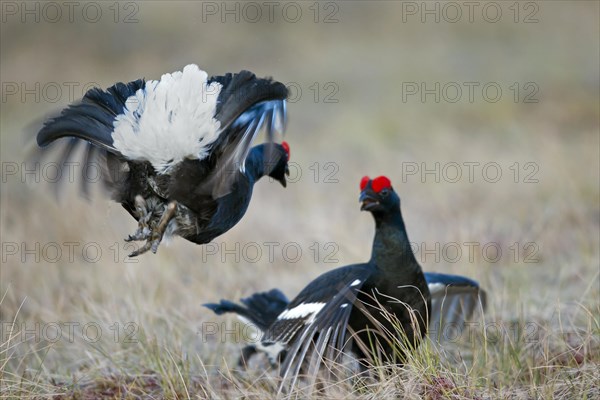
(88, 123)
(323, 331)
(245, 105)
(183, 116)
(241, 134)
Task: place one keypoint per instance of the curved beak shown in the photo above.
(368, 201)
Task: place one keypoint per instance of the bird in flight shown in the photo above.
(177, 152)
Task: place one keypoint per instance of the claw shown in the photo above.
(141, 250)
(155, 234)
(141, 211)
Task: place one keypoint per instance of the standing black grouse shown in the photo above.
(357, 299)
(176, 153)
(354, 299)
(454, 301)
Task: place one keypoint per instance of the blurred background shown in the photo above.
(485, 116)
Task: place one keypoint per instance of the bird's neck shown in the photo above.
(255, 165)
(391, 251)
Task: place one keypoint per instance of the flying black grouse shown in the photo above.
(176, 153)
(348, 299)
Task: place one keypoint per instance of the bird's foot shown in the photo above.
(143, 215)
(156, 231)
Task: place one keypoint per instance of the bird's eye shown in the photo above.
(384, 192)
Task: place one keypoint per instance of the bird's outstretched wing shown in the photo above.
(260, 309)
(86, 131)
(92, 118)
(183, 116)
(454, 301)
(246, 104)
(315, 320)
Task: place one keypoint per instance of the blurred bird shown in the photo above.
(176, 153)
(349, 300)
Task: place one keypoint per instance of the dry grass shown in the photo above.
(156, 341)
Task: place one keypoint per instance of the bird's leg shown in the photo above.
(143, 216)
(157, 234)
(157, 230)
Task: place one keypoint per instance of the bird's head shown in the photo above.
(378, 196)
(277, 164)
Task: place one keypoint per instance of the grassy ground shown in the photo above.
(78, 320)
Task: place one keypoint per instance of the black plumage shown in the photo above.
(354, 298)
(198, 197)
(260, 309)
(348, 301)
(454, 301)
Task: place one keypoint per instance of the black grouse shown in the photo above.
(454, 301)
(176, 152)
(370, 302)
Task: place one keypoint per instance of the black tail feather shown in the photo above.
(226, 306)
(455, 300)
(261, 309)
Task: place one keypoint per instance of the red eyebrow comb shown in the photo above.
(286, 147)
(363, 182)
(380, 183)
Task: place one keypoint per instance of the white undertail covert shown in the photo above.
(169, 120)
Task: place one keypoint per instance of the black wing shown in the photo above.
(245, 104)
(88, 124)
(260, 309)
(317, 318)
(454, 301)
(91, 119)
